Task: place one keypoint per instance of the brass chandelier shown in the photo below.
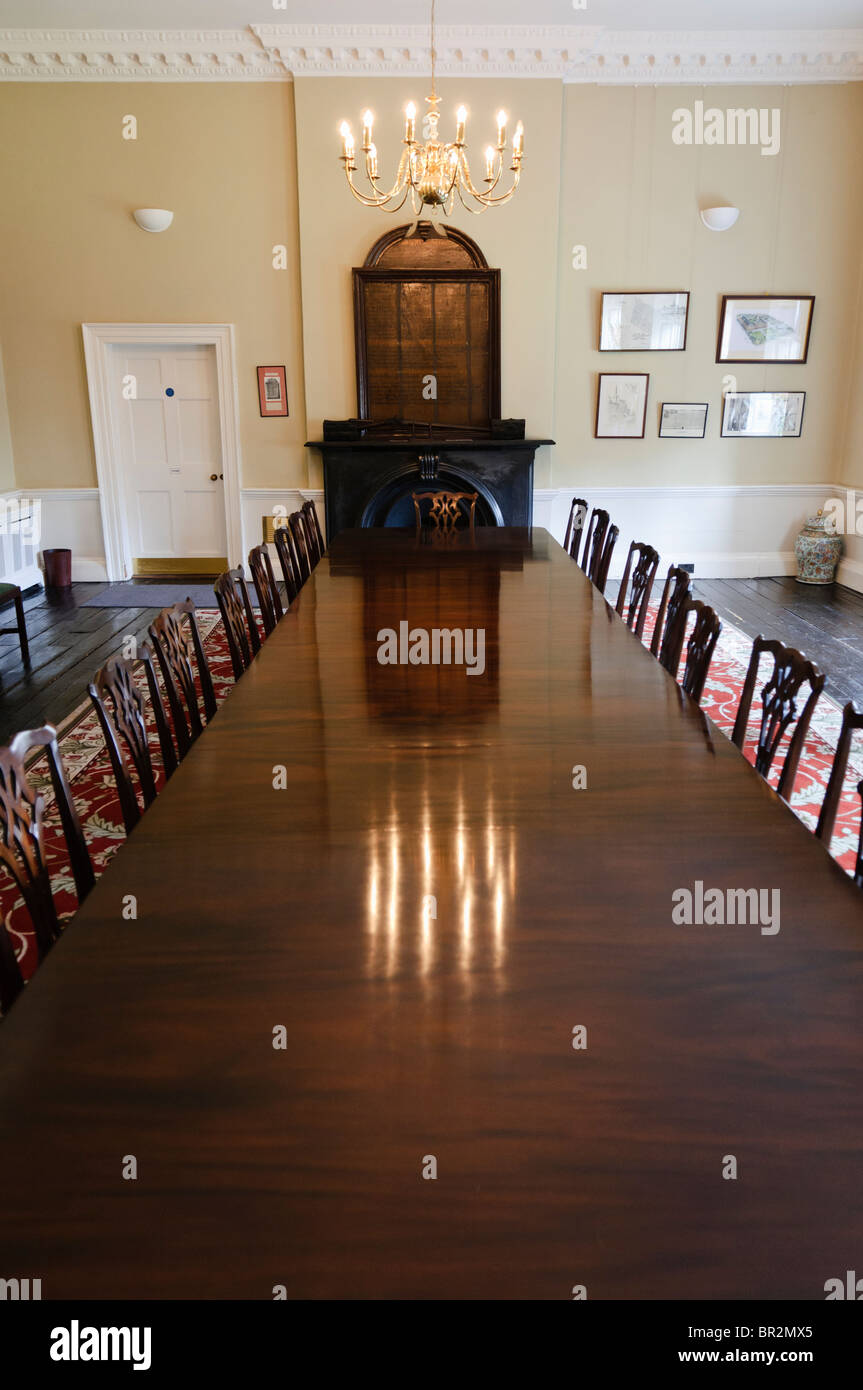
(432, 173)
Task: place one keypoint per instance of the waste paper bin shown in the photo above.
(58, 569)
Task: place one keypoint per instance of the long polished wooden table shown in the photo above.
(427, 907)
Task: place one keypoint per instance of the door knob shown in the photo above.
(221, 476)
(214, 477)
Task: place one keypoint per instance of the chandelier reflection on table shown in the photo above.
(432, 174)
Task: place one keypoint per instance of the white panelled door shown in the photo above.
(171, 464)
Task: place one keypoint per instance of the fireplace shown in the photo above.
(369, 482)
(427, 321)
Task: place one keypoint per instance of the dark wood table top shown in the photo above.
(410, 1035)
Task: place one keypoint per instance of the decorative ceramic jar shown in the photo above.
(818, 549)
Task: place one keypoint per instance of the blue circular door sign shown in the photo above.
(169, 390)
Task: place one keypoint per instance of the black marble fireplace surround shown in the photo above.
(369, 481)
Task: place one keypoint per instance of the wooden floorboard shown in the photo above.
(68, 643)
(826, 624)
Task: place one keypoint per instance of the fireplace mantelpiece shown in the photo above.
(368, 482)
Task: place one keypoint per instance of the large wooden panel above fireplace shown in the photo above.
(427, 323)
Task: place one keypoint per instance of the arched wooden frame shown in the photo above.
(444, 266)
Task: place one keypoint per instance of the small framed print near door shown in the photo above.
(272, 391)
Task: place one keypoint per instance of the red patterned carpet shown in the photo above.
(720, 701)
(98, 807)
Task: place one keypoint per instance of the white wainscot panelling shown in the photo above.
(850, 570)
(258, 502)
(725, 532)
(72, 518)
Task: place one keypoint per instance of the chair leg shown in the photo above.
(22, 629)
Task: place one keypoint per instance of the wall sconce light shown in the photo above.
(153, 219)
(719, 219)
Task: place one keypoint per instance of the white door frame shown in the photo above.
(99, 338)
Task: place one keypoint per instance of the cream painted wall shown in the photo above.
(852, 473)
(222, 156)
(7, 460)
(632, 196)
(336, 232)
(600, 169)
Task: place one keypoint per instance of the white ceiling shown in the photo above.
(611, 14)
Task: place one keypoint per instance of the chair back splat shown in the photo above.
(265, 587)
(700, 646)
(121, 710)
(637, 585)
(241, 630)
(591, 559)
(299, 532)
(790, 672)
(605, 559)
(446, 510)
(667, 641)
(174, 634)
(288, 561)
(852, 721)
(313, 530)
(575, 527)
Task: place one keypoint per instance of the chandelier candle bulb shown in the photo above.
(368, 118)
(373, 161)
(501, 129)
(489, 164)
(518, 141)
(347, 141)
(461, 118)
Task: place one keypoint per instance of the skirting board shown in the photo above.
(737, 532)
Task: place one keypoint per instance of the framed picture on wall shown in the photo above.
(764, 328)
(621, 405)
(644, 321)
(681, 420)
(272, 391)
(763, 414)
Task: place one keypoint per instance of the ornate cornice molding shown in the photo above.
(126, 55)
(571, 53)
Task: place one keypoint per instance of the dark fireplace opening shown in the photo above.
(392, 503)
